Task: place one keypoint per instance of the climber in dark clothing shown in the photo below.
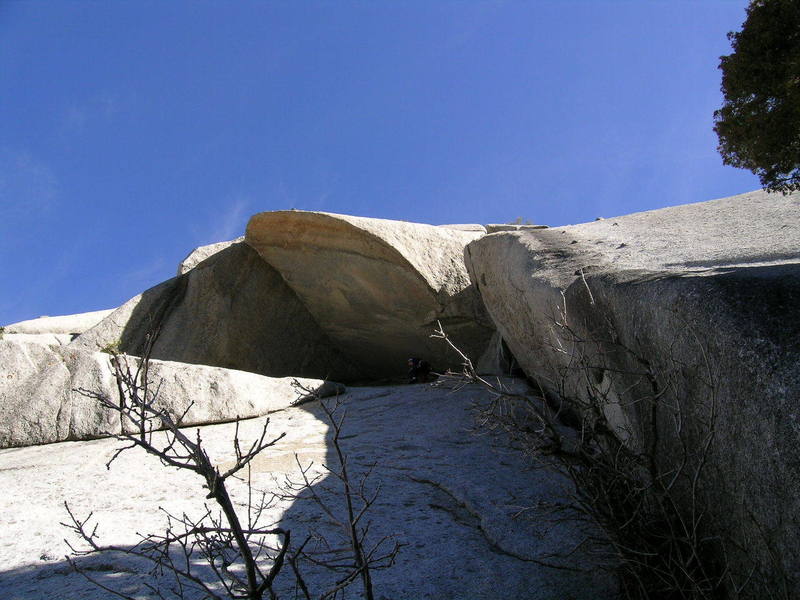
(419, 371)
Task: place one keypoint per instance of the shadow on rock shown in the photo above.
(474, 517)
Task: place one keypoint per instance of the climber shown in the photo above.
(419, 371)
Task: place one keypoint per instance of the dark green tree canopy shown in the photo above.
(759, 122)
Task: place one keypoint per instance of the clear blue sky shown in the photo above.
(131, 132)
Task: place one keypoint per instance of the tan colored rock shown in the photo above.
(231, 310)
(376, 287)
(41, 399)
(693, 305)
(64, 324)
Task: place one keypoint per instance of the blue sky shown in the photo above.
(132, 132)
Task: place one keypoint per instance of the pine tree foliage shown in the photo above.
(759, 123)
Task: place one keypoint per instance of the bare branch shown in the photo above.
(653, 517)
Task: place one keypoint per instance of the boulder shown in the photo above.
(35, 385)
(681, 315)
(230, 310)
(376, 287)
(64, 324)
(43, 393)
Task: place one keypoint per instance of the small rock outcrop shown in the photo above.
(230, 310)
(681, 315)
(201, 253)
(41, 401)
(62, 325)
(377, 287)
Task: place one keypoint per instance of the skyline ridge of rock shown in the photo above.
(681, 314)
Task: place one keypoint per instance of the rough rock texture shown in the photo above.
(40, 402)
(464, 227)
(36, 396)
(497, 359)
(473, 516)
(495, 227)
(45, 339)
(199, 254)
(231, 310)
(695, 305)
(377, 287)
(65, 324)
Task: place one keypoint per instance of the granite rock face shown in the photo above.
(453, 500)
(230, 310)
(41, 401)
(377, 287)
(685, 314)
(64, 324)
(199, 254)
(35, 392)
(44, 339)
(679, 326)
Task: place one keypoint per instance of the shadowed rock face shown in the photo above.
(377, 287)
(694, 305)
(230, 310)
(201, 253)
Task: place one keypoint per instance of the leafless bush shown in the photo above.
(239, 557)
(355, 557)
(232, 548)
(653, 517)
